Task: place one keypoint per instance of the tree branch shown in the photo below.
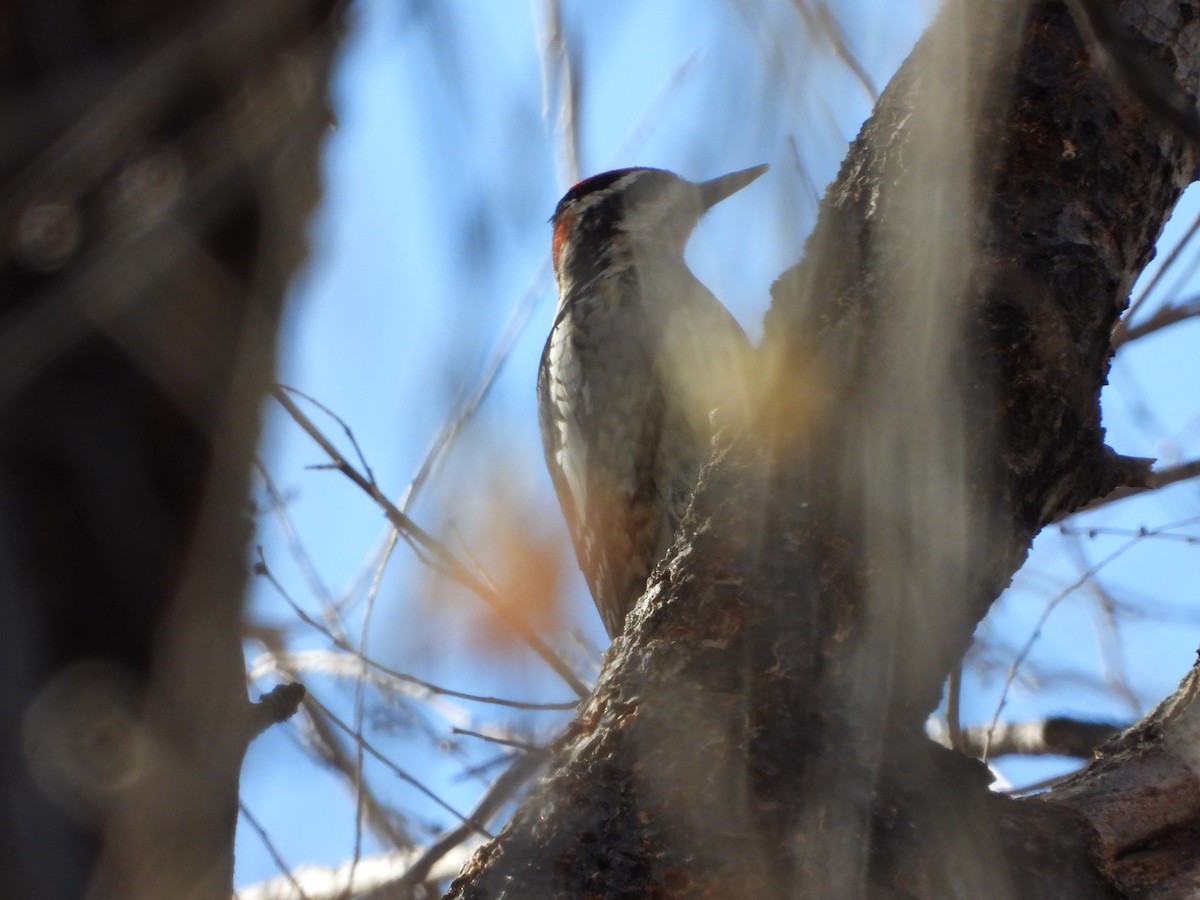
(932, 374)
(158, 166)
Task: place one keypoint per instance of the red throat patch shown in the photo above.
(562, 231)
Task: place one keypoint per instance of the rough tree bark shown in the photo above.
(933, 370)
(158, 162)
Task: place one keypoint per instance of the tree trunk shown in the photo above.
(158, 163)
(931, 378)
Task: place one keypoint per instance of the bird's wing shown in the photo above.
(601, 432)
(706, 362)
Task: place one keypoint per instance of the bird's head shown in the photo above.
(639, 207)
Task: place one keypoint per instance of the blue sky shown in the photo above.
(432, 235)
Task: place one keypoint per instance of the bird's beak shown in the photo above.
(714, 191)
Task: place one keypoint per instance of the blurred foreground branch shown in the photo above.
(158, 165)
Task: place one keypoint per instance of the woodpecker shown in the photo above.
(640, 356)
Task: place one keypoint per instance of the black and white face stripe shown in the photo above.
(604, 212)
(596, 188)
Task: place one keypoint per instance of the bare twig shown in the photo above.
(282, 865)
(524, 746)
(342, 423)
(1158, 479)
(1023, 653)
(820, 20)
(810, 189)
(464, 411)
(1162, 318)
(953, 707)
(402, 678)
(297, 549)
(1051, 606)
(502, 790)
(322, 740)
(277, 705)
(1110, 655)
(360, 695)
(1136, 533)
(396, 770)
(655, 113)
(559, 82)
(1119, 333)
(446, 560)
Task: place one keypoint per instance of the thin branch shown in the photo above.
(447, 561)
(523, 746)
(656, 112)
(264, 571)
(341, 643)
(360, 696)
(953, 707)
(1158, 479)
(282, 865)
(327, 745)
(1108, 633)
(820, 20)
(1142, 532)
(478, 769)
(396, 770)
(463, 412)
(297, 549)
(346, 429)
(276, 706)
(1161, 318)
(992, 728)
(1119, 333)
(811, 194)
(332, 607)
(502, 790)
(560, 83)
(1053, 604)
(322, 740)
